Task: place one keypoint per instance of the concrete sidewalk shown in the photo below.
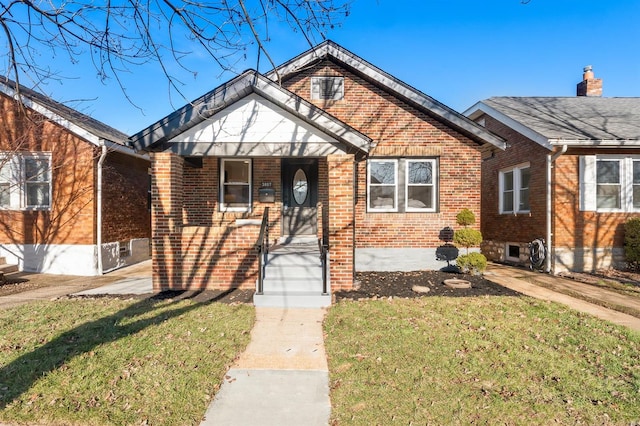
(134, 279)
(282, 378)
(522, 281)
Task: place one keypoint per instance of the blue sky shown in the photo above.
(457, 51)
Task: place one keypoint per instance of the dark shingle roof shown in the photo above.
(84, 121)
(575, 118)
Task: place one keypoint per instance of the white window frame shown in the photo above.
(38, 157)
(223, 206)
(16, 161)
(517, 187)
(589, 183)
(507, 256)
(433, 184)
(317, 84)
(395, 185)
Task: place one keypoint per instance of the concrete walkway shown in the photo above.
(282, 378)
(522, 280)
(134, 279)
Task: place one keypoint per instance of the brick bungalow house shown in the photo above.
(570, 175)
(73, 195)
(339, 151)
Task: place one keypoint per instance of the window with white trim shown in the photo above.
(235, 184)
(514, 189)
(382, 185)
(327, 88)
(25, 181)
(402, 185)
(609, 183)
(37, 182)
(420, 190)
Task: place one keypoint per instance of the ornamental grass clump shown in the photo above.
(466, 237)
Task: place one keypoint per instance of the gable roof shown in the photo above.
(334, 52)
(581, 120)
(76, 122)
(156, 136)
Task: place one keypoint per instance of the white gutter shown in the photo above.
(103, 156)
(551, 158)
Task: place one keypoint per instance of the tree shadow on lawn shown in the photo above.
(19, 375)
(377, 285)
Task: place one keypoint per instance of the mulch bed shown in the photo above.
(370, 285)
(377, 285)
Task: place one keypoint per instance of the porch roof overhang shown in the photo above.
(164, 134)
(334, 52)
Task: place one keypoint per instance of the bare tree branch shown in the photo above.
(118, 35)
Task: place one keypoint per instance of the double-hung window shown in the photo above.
(235, 184)
(514, 189)
(37, 182)
(420, 190)
(609, 183)
(6, 182)
(382, 178)
(25, 181)
(402, 185)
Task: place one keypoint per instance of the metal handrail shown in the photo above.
(324, 249)
(262, 245)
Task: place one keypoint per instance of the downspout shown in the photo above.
(551, 158)
(103, 156)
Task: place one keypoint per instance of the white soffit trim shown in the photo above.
(597, 143)
(253, 119)
(480, 107)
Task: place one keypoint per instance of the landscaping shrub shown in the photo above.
(467, 237)
(472, 263)
(632, 242)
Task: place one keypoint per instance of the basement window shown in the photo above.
(327, 88)
(513, 252)
(123, 249)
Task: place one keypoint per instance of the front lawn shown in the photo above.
(478, 360)
(115, 362)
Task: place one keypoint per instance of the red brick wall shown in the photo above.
(399, 130)
(577, 235)
(71, 217)
(575, 228)
(166, 226)
(125, 187)
(207, 248)
(514, 227)
(341, 220)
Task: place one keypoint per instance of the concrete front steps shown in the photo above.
(5, 268)
(293, 277)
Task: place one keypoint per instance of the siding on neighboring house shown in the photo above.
(584, 240)
(502, 229)
(62, 238)
(70, 219)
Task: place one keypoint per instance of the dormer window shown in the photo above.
(327, 88)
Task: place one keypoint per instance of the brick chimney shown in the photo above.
(589, 86)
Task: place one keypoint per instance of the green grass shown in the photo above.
(490, 360)
(115, 362)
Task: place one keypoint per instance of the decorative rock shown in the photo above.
(457, 283)
(420, 289)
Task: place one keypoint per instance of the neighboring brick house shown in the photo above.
(73, 195)
(570, 175)
(381, 168)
